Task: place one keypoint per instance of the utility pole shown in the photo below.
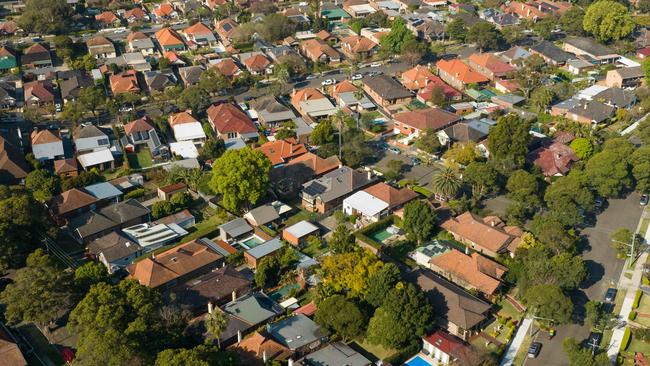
(631, 245)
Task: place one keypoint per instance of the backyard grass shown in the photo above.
(140, 160)
(644, 308)
(115, 173)
(314, 250)
(508, 310)
(204, 228)
(301, 215)
(377, 350)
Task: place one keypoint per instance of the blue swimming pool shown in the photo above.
(417, 361)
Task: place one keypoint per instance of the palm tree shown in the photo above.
(216, 323)
(446, 183)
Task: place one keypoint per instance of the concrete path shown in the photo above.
(513, 348)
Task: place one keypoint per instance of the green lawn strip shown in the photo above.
(204, 228)
(637, 346)
(377, 350)
(300, 216)
(312, 250)
(644, 227)
(522, 352)
(508, 310)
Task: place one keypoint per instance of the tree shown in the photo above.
(622, 241)
(609, 170)
(194, 98)
(571, 21)
(462, 154)
(545, 27)
(550, 232)
(445, 182)
(405, 314)
(395, 168)
(582, 147)
(215, 324)
(428, 142)
(598, 316)
(483, 178)
(42, 184)
(241, 176)
(212, 149)
(641, 168)
(529, 76)
(89, 274)
(202, 355)
(92, 99)
(643, 6)
(548, 301)
(569, 197)
(161, 209)
(419, 221)
(508, 142)
(456, 29)
(398, 36)
(341, 316)
(541, 98)
(412, 51)
(349, 273)
(55, 20)
(213, 81)
(381, 283)
(580, 356)
(438, 97)
(342, 240)
(524, 187)
(275, 27)
(323, 133)
(355, 149)
(40, 293)
(608, 20)
(287, 130)
(484, 35)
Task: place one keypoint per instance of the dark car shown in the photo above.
(644, 200)
(533, 350)
(610, 295)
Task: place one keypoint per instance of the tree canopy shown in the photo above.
(46, 16)
(608, 20)
(508, 142)
(341, 316)
(349, 273)
(419, 220)
(548, 301)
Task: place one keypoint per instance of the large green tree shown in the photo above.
(42, 184)
(508, 142)
(580, 356)
(482, 177)
(323, 133)
(445, 182)
(216, 323)
(241, 176)
(568, 197)
(582, 147)
(342, 240)
(381, 283)
(549, 302)
(349, 273)
(484, 35)
(46, 16)
(609, 171)
(608, 20)
(341, 316)
(456, 29)
(419, 221)
(398, 36)
(202, 355)
(641, 168)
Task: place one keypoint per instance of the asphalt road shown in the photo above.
(604, 270)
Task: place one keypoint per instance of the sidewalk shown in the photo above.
(513, 348)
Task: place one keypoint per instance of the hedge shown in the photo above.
(139, 192)
(632, 315)
(375, 226)
(637, 299)
(423, 191)
(626, 339)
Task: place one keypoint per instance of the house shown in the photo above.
(551, 53)
(386, 91)
(101, 159)
(186, 127)
(165, 11)
(159, 81)
(66, 168)
(490, 65)
(473, 272)
(298, 333)
(254, 255)
(500, 20)
(184, 219)
(10, 350)
(358, 8)
(270, 112)
(218, 287)
(258, 349)
(39, 93)
(8, 59)
(140, 42)
(234, 229)
(13, 166)
(47, 145)
(229, 122)
(289, 178)
(190, 75)
(515, 55)
(553, 158)
(169, 40)
(114, 250)
(8, 28)
(107, 19)
(282, 151)
(227, 67)
(489, 235)
(94, 224)
(465, 131)
(358, 48)
(625, 77)
(8, 95)
(426, 29)
(445, 348)
(590, 50)
(141, 132)
(257, 64)
(151, 236)
(126, 82)
(101, 47)
(457, 74)
(70, 88)
(578, 66)
(175, 265)
(135, 15)
(328, 192)
(417, 78)
(425, 94)
(266, 214)
(166, 192)
(459, 312)
(616, 97)
(312, 104)
(317, 50)
(377, 201)
(36, 56)
(298, 233)
(225, 28)
(200, 35)
(337, 353)
(419, 120)
(348, 95)
(70, 203)
(590, 112)
(536, 10)
(88, 137)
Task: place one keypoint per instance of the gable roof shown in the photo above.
(491, 63)
(448, 344)
(138, 125)
(225, 118)
(87, 130)
(227, 67)
(197, 28)
(553, 159)
(168, 37)
(459, 70)
(124, 82)
(13, 165)
(254, 308)
(136, 35)
(211, 287)
(317, 48)
(488, 232)
(305, 94)
(344, 87)
(317, 164)
(337, 184)
(136, 13)
(226, 27)
(358, 44)
(257, 63)
(40, 89)
(550, 50)
(107, 17)
(182, 118)
(113, 246)
(65, 166)
(108, 217)
(590, 46)
(392, 196)
(423, 119)
(45, 137)
(387, 87)
(479, 272)
(253, 347)
(70, 200)
(281, 151)
(417, 77)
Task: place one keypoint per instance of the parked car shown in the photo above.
(533, 350)
(126, 109)
(644, 200)
(327, 82)
(374, 73)
(394, 150)
(356, 77)
(311, 77)
(415, 161)
(610, 295)
(375, 64)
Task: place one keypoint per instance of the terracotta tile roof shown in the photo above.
(70, 200)
(125, 82)
(315, 48)
(197, 28)
(492, 63)
(317, 164)
(488, 233)
(10, 353)
(168, 37)
(554, 159)
(136, 13)
(343, 87)
(7, 52)
(99, 41)
(44, 137)
(304, 95)
(107, 17)
(225, 118)
(182, 117)
(450, 92)
(417, 77)
(138, 125)
(164, 10)
(307, 309)
(477, 271)
(227, 67)
(324, 35)
(459, 70)
(173, 264)
(8, 27)
(391, 195)
(253, 347)
(358, 44)
(173, 57)
(40, 89)
(12, 162)
(172, 187)
(136, 35)
(447, 343)
(65, 166)
(281, 151)
(226, 27)
(257, 63)
(35, 48)
(423, 119)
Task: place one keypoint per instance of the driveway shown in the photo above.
(603, 271)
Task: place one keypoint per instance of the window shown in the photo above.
(102, 142)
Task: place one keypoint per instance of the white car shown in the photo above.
(327, 82)
(375, 64)
(311, 77)
(356, 77)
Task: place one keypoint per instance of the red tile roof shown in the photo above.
(554, 159)
(459, 70)
(125, 82)
(423, 119)
(226, 118)
(197, 28)
(477, 271)
(106, 17)
(446, 342)
(489, 233)
(492, 63)
(139, 125)
(450, 92)
(281, 151)
(168, 37)
(258, 63)
(391, 195)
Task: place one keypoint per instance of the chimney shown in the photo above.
(264, 356)
(234, 295)
(239, 336)
(210, 308)
(492, 223)
(369, 175)
(466, 250)
(290, 362)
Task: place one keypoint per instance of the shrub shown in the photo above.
(645, 281)
(642, 334)
(139, 192)
(637, 299)
(626, 339)
(632, 315)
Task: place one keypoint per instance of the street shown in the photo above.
(603, 271)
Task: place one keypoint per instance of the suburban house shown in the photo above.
(229, 122)
(179, 263)
(348, 95)
(270, 112)
(298, 233)
(165, 11)
(8, 95)
(200, 35)
(39, 93)
(256, 63)
(625, 77)
(445, 348)
(183, 218)
(415, 122)
(490, 65)
(71, 87)
(472, 272)
(227, 67)
(554, 158)
(282, 151)
(70, 204)
(135, 15)
(100, 159)
(47, 145)
(159, 81)
(386, 91)
(298, 333)
(317, 50)
(489, 235)
(267, 214)
(312, 104)
(114, 250)
(186, 127)
(88, 137)
(254, 255)
(254, 349)
(101, 47)
(465, 131)
(36, 56)
(459, 312)
(169, 40)
(377, 201)
(126, 82)
(590, 50)
(97, 223)
(551, 53)
(336, 353)
(108, 19)
(190, 75)
(425, 94)
(140, 42)
(8, 59)
(66, 168)
(536, 10)
(141, 132)
(288, 179)
(590, 112)
(225, 29)
(234, 229)
(13, 166)
(358, 47)
(417, 78)
(457, 74)
(426, 29)
(514, 55)
(328, 192)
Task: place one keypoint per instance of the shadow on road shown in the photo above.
(595, 273)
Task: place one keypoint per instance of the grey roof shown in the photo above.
(113, 246)
(337, 183)
(103, 190)
(88, 130)
(295, 332)
(302, 128)
(265, 248)
(157, 80)
(596, 111)
(71, 87)
(550, 50)
(108, 217)
(190, 74)
(236, 227)
(301, 229)
(509, 98)
(253, 308)
(467, 18)
(590, 46)
(387, 87)
(630, 72)
(472, 130)
(263, 214)
(567, 104)
(515, 53)
(336, 353)
(269, 110)
(141, 44)
(618, 97)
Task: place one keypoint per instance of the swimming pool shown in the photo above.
(251, 242)
(283, 291)
(381, 235)
(417, 361)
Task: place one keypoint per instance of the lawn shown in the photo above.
(314, 250)
(140, 160)
(644, 308)
(301, 215)
(204, 228)
(377, 350)
(114, 173)
(508, 310)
